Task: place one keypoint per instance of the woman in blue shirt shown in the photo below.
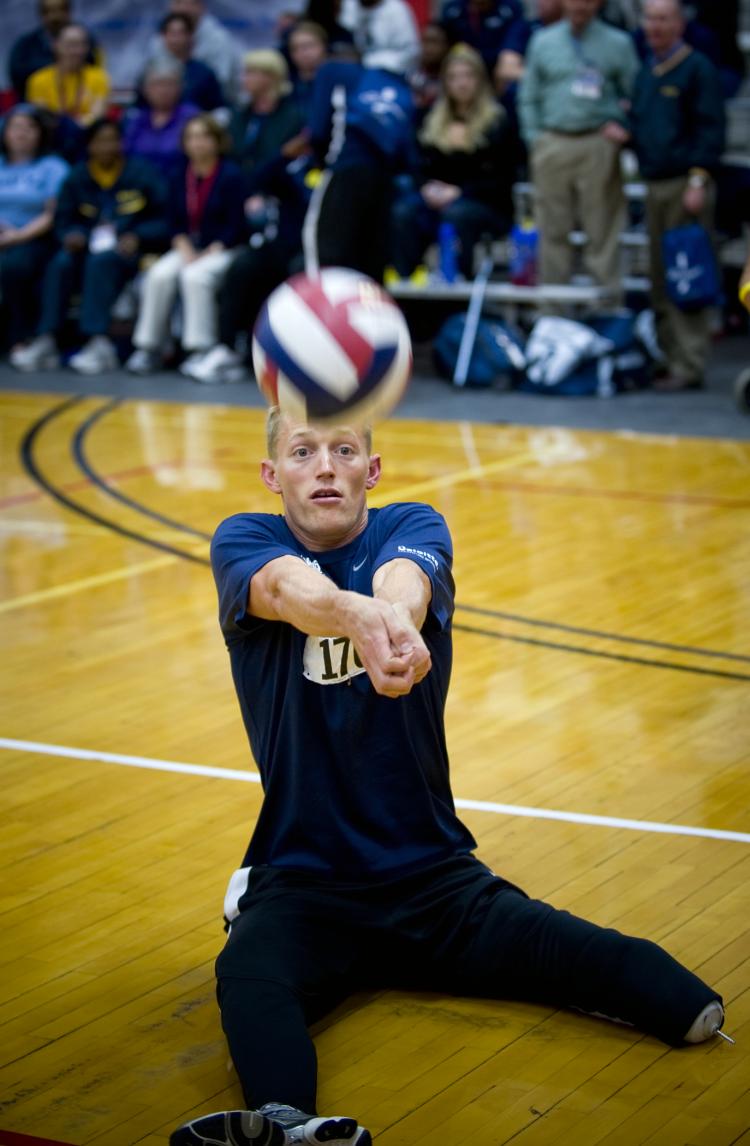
(29, 182)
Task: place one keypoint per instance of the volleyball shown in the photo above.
(332, 346)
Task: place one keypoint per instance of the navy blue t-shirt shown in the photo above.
(354, 783)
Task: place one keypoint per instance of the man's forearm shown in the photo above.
(289, 590)
(402, 584)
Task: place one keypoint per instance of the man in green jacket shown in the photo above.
(572, 104)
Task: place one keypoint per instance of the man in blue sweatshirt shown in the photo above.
(677, 123)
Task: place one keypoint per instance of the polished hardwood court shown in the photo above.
(599, 729)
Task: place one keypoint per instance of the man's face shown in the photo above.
(663, 25)
(322, 474)
(54, 14)
(580, 12)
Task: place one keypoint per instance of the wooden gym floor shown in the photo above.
(599, 730)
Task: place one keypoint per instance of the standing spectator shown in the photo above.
(385, 33)
(362, 133)
(30, 179)
(307, 45)
(467, 166)
(489, 26)
(207, 223)
(33, 50)
(425, 79)
(111, 210)
(677, 121)
(212, 45)
(71, 87)
(154, 132)
(200, 87)
(579, 74)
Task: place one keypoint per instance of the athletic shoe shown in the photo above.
(40, 354)
(192, 361)
(98, 356)
(219, 364)
(708, 1023)
(230, 1128)
(312, 1130)
(144, 361)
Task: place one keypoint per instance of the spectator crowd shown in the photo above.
(352, 142)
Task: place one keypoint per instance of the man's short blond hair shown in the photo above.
(275, 417)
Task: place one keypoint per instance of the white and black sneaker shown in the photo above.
(230, 1128)
(313, 1130)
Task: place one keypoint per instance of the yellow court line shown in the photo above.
(408, 492)
(70, 587)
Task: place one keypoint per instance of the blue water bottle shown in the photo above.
(448, 248)
(524, 239)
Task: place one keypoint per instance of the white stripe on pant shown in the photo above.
(197, 283)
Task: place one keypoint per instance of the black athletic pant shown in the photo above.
(301, 943)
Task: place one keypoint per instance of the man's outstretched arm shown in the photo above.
(385, 637)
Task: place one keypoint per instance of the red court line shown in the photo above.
(622, 494)
(11, 1138)
(83, 483)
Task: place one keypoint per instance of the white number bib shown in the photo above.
(330, 660)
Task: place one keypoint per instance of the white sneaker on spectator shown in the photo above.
(192, 361)
(40, 354)
(220, 364)
(98, 356)
(144, 361)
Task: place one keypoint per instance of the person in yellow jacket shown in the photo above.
(71, 87)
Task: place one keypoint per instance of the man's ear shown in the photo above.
(268, 476)
(373, 472)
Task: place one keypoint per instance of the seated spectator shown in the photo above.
(200, 87)
(307, 45)
(30, 179)
(269, 119)
(207, 224)
(212, 45)
(154, 132)
(424, 80)
(488, 26)
(508, 69)
(385, 33)
(111, 210)
(467, 167)
(71, 87)
(33, 50)
(256, 269)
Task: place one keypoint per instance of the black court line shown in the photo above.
(604, 655)
(603, 634)
(28, 460)
(27, 457)
(81, 457)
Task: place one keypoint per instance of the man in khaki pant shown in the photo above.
(573, 103)
(677, 122)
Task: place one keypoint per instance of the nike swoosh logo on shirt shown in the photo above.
(357, 568)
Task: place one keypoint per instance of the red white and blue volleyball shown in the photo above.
(332, 346)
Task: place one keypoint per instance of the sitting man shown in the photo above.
(338, 624)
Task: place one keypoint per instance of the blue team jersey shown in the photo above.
(354, 783)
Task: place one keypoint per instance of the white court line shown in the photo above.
(471, 805)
